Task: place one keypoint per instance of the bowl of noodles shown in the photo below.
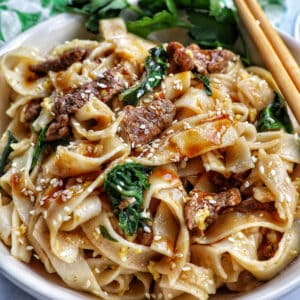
(138, 170)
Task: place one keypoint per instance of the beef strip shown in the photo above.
(58, 129)
(212, 203)
(142, 124)
(222, 183)
(60, 63)
(32, 110)
(144, 238)
(180, 59)
(269, 244)
(193, 58)
(72, 102)
(251, 204)
(105, 88)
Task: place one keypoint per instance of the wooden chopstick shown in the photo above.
(270, 56)
(279, 46)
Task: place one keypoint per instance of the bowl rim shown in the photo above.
(20, 274)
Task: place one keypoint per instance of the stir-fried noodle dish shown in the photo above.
(139, 170)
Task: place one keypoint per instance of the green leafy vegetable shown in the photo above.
(151, 7)
(210, 23)
(95, 9)
(221, 11)
(275, 116)
(208, 32)
(206, 83)
(7, 150)
(125, 185)
(106, 234)
(161, 20)
(156, 68)
(38, 148)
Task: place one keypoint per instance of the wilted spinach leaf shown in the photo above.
(275, 116)
(7, 150)
(125, 185)
(106, 234)
(38, 148)
(206, 83)
(156, 68)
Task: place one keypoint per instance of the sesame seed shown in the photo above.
(246, 184)
(273, 173)
(262, 169)
(186, 268)
(97, 270)
(212, 201)
(39, 188)
(157, 238)
(179, 255)
(150, 155)
(171, 131)
(88, 283)
(67, 209)
(147, 229)
(29, 248)
(36, 256)
(54, 182)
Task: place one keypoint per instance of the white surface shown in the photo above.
(66, 27)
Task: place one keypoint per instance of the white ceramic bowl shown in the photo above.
(32, 277)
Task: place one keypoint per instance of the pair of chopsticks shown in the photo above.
(273, 51)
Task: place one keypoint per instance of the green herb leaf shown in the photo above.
(38, 147)
(193, 4)
(208, 32)
(205, 80)
(125, 185)
(275, 116)
(7, 150)
(161, 20)
(156, 68)
(96, 10)
(106, 234)
(222, 12)
(151, 7)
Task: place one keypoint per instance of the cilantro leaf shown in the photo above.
(96, 10)
(151, 7)
(161, 20)
(222, 12)
(208, 32)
